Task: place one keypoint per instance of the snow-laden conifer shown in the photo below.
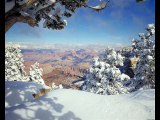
(14, 67)
(145, 50)
(105, 77)
(112, 57)
(35, 74)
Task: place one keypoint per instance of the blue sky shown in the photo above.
(118, 24)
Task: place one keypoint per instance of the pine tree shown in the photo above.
(145, 50)
(14, 68)
(105, 77)
(35, 74)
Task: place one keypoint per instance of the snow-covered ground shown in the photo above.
(19, 92)
(68, 104)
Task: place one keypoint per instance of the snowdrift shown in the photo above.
(67, 104)
(19, 92)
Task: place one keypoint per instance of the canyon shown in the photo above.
(60, 66)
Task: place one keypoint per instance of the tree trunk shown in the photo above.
(13, 19)
(9, 23)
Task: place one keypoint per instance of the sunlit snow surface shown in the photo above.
(19, 92)
(67, 104)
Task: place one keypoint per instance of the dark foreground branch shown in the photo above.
(19, 18)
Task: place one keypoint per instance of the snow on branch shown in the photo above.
(35, 74)
(105, 77)
(52, 11)
(14, 68)
(144, 48)
(102, 5)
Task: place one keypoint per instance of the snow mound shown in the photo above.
(19, 92)
(67, 104)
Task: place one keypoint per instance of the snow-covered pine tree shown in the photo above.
(35, 74)
(145, 50)
(128, 54)
(14, 68)
(112, 57)
(51, 12)
(105, 77)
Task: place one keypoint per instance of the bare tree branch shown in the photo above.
(14, 18)
(97, 8)
(18, 8)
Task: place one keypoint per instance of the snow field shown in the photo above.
(67, 104)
